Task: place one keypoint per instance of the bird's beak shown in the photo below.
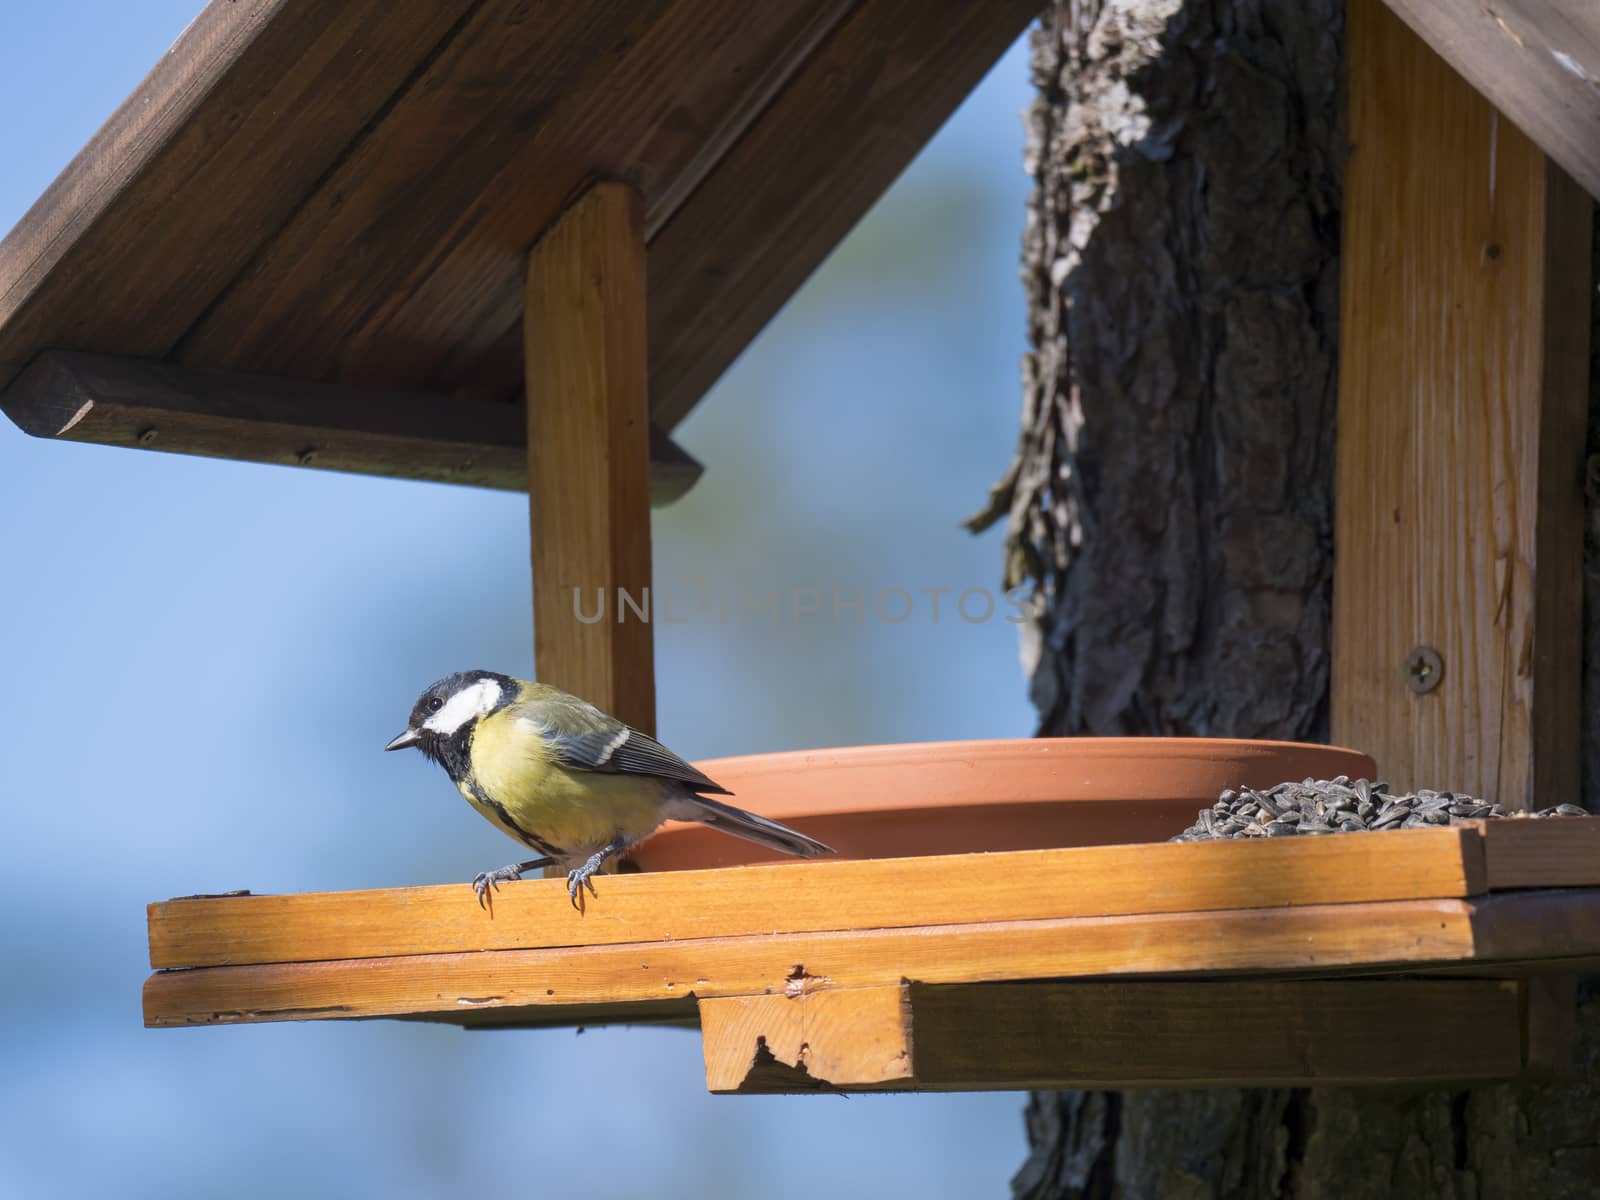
(408, 738)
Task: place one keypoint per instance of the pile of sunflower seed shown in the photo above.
(1341, 805)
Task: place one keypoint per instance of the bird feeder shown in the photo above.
(510, 247)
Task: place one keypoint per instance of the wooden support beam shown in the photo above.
(588, 454)
(994, 1037)
(1462, 397)
(1548, 929)
(142, 404)
(1550, 1025)
(1538, 62)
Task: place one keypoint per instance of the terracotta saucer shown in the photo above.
(1013, 794)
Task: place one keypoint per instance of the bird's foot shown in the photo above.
(579, 878)
(486, 883)
(582, 877)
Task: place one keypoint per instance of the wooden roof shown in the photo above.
(344, 194)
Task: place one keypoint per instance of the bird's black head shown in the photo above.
(443, 718)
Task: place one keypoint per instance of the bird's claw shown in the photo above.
(578, 879)
(581, 877)
(486, 883)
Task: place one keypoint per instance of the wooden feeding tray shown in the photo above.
(1099, 965)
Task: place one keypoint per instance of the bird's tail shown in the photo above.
(748, 826)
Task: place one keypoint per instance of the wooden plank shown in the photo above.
(1311, 1033)
(202, 163)
(1402, 934)
(991, 1037)
(798, 897)
(1461, 415)
(1563, 852)
(588, 455)
(455, 189)
(139, 403)
(876, 90)
(1538, 61)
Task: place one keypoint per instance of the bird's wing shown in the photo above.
(582, 737)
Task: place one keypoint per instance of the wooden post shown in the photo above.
(589, 455)
(1463, 374)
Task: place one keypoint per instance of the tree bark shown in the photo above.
(1171, 502)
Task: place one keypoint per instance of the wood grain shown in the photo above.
(1403, 934)
(1550, 1025)
(1563, 852)
(1460, 441)
(988, 1037)
(222, 141)
(588, 455)
(797, 897)
(144, 404)
(831, 142)
(836, 1038)
(660, 120)
(1538, 61)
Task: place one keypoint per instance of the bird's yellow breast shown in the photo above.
(575, 811)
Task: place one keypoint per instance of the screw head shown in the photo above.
(306, 457)
(147, 436)
(1424, 669)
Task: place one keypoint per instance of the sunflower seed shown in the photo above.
(1342, 805)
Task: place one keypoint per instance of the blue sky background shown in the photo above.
(203, 660)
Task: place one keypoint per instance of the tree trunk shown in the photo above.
(1172, 503)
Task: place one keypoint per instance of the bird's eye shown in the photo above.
(435, 704)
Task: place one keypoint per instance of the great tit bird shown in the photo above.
(565, 779)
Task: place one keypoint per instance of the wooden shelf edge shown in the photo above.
(823, 896)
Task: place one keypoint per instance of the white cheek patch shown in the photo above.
(466, 705)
